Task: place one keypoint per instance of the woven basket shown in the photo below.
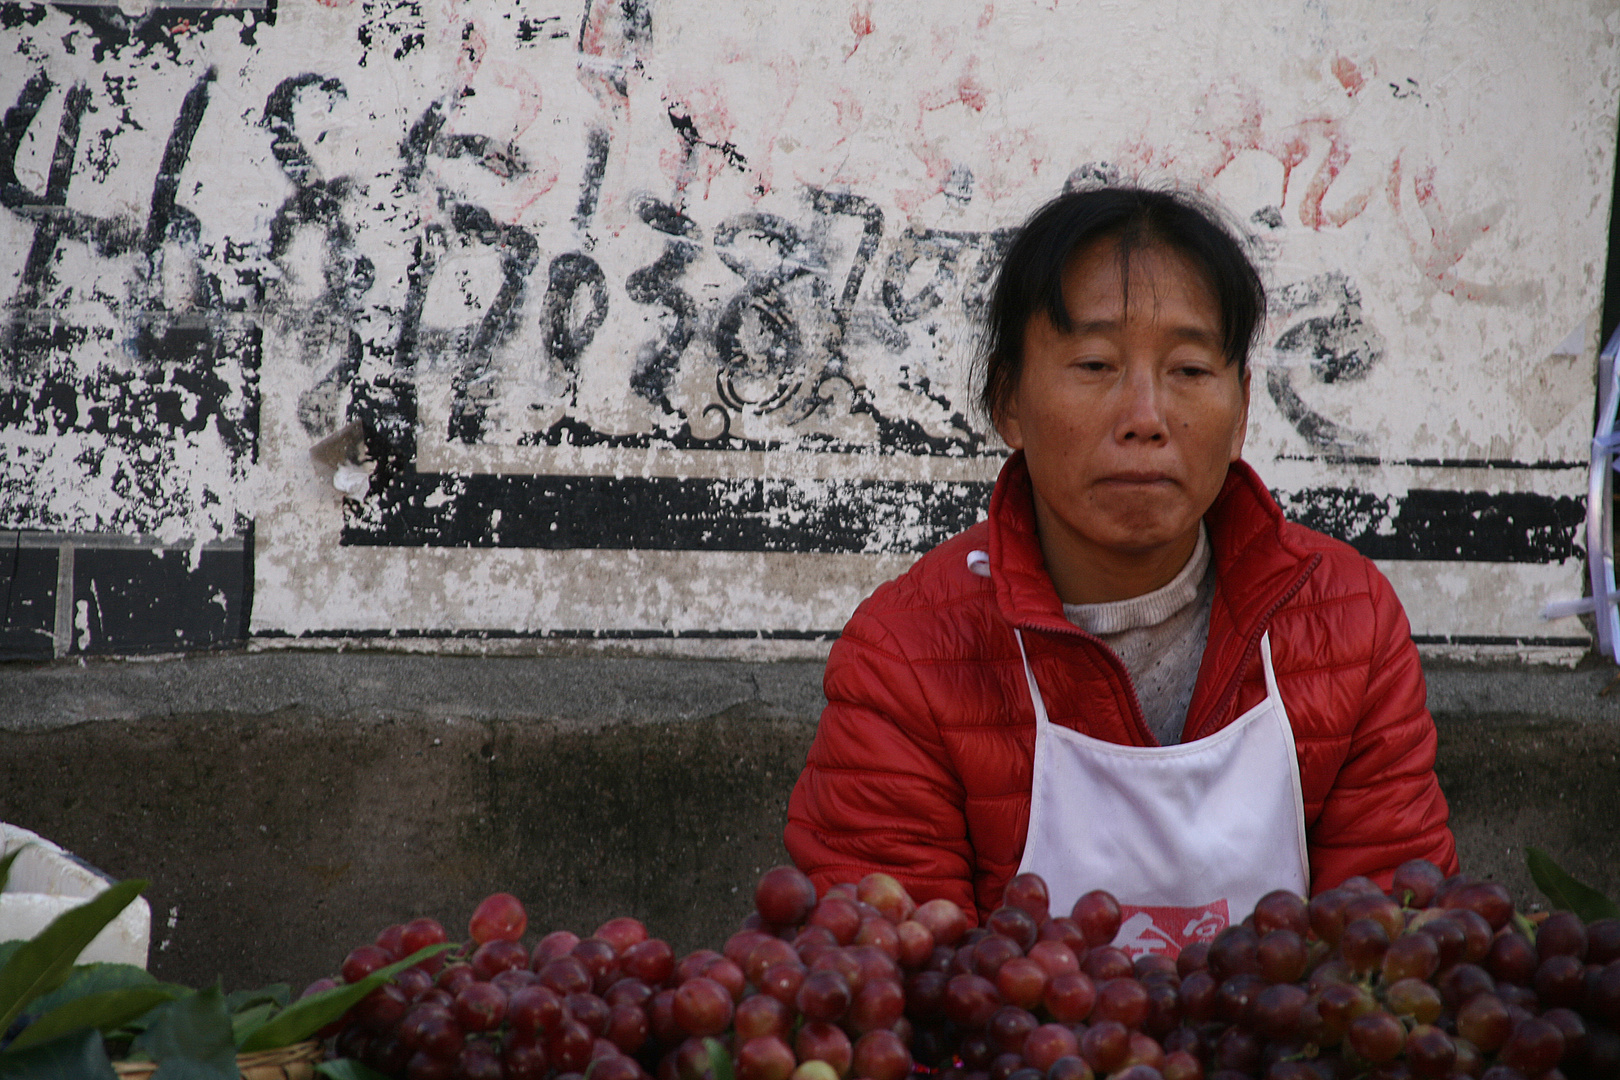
(295, 1062)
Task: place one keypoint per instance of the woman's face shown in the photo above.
(1128, 421)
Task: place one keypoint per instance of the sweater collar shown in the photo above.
(1254, 559)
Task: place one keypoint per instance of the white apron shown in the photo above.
(1187, 838)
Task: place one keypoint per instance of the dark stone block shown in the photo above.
(28, 606)
(132, 600)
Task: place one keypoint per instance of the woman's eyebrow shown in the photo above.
(1197, 334)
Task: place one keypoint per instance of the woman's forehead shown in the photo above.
(1113, 279)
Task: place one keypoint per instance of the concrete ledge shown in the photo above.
(288, 805)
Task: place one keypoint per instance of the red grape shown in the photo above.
(782, 981)
(887, 895)
(555, 944)
(765, 1057)
(880, 1003)
(1376, 1036)
(1416, 883)
(1414, 998)
(1070, 997)
(879, 932)
(1483, 1020)
(992, 952)
(568, 1047)
(1125, 1000)
(621, 933)
(363, 961)
(1488, 899)
(1047, 1043)
(702, 1006)
(1560, 982)
(1282, 955)
(1098, 916)
(1411, 956)
(1015, 924)
(533, 1008)
(1106, 962)
(566, 975)
(480, 1007)
(1235, 951)
(944, 918)
(391, 941)
(1028, 892)
(970, 1000)
(589, 1010)
(839, 915)
(496, 956)
(916, 944)
(1282, 909)
(818, 1040)
(499, 917)
(1055, 957)
(1105, 1045)
(1534, 1046)
(880, 1055)
(1277, 1009)
(652, 961)
(1022, 981)
(1074, 1067)
(1180, 1065)
(1562, 934)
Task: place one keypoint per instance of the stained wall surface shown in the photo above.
(652, 318)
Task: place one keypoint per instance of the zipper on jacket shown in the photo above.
(1252, 648)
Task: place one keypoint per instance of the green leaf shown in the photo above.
(239, 1001)
(106, 1011)
(348, 1069)
(190, 1039)
(86, 979)
(79, 1056)
(8, 949)
(304, 1017)
(719, 1060)
(5, 864)
(44, 963)
(1565, 892)
(247, 1019)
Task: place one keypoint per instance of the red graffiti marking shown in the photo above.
(1348, 74)
(1449, 238)
(860, 21)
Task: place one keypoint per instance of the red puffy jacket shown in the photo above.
(923, 760)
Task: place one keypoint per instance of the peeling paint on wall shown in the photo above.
(609, 277)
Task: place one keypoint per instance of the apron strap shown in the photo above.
(1029, 677)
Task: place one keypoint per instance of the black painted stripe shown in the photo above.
(567, 634)
(854, 516)
(772, 635)
(1500, 639)
(1445, 526)
(666, 513)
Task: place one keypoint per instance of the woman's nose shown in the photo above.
(1141, 412)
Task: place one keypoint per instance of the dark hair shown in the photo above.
(1030, 279)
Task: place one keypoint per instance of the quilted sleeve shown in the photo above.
(878, 791)
(1385, 806)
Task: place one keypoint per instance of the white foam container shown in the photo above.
(46, 881)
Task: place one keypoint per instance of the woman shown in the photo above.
(1135, 675)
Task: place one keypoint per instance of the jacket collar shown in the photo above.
(1255, 562)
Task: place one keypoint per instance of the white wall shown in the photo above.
(657, 313)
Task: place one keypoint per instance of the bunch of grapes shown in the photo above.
(1439, 979)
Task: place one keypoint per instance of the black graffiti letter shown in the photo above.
(569, 331)
(473, 387)
(656, 284)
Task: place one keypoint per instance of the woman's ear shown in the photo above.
(1242, 429)
(1004, 416)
